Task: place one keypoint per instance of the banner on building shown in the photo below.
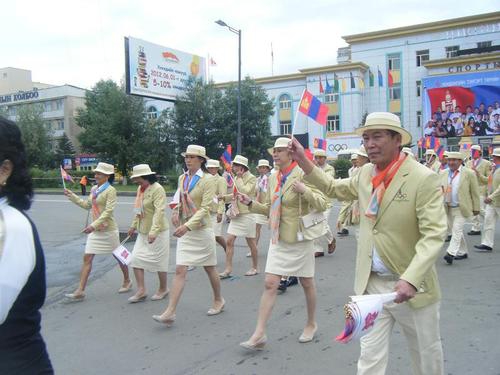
(159, 72)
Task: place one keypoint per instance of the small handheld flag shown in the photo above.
(313, 108)
(226, 158)
(65, 177)
(319, 143)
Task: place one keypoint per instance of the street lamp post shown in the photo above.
(238, 32)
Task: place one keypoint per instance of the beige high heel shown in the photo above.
(213, 311)
(258, 345)
(169, 320)
(308, 338)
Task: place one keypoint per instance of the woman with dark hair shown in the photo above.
(152, 247)
(450, 129)
(103, 235)
(22, 264)
(469, 128)
(196, 239)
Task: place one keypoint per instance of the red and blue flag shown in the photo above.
(312, 107)
(226, 158)
(319, 143)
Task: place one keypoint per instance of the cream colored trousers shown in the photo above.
(457, 245)
(476, 220)
(491, 215)
(420, 327)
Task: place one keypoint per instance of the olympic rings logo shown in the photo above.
(337, 147)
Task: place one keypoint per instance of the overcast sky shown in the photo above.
(81, 42)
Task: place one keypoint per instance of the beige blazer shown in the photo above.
(408, 232)
(202, 196)
(436, 166)
(329, 169)
(312, 198)
(495, 195)
(246, 185)
(468, 190)
(221, 189)
(483, 170)
(106, 201)
(154, 203)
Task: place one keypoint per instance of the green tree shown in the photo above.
(114, 126)
(64, 148)
(256, 109)
(199, 117)
(36, 136)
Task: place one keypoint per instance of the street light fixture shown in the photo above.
(238, 32)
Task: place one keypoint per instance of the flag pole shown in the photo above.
(297, 111)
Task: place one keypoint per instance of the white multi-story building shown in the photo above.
(383, 71)
(59, 103)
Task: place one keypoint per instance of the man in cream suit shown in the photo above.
(432, 161)
(402, 227)
(492, 200)
(481, 170)
(461, 200)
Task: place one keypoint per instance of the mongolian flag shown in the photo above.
(432, 142)
(226, 158)
(454, 96)
(65, 175)
(319, 143)
(465, 146)
(313, 108)
(420, 142)
(321, 90)
(440, 151)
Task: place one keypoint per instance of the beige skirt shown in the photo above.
(217, 227)
(291, 259)
(102, 242)
(261, 219)
(242, 226)
(197, 248)
(151, 257)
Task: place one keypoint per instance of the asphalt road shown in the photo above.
(106, 335)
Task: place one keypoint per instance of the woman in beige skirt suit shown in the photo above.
(288, 253)
(152, 247)
(196, 240)
(217, 208)
(103, 235)
(243, 223)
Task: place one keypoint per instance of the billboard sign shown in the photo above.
(342, 143)
(159, 72)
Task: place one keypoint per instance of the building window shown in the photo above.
(484, 44)
(422, 56)
(395, 92)
(452, 51)
(333, 124)
(152, 113)
(419, 119)
(59, 125)
(285, 101)
(285, 127)
(394, 61)
(59, 104)
(331, 98)
(419, 88)
(47, 106)
(12, 111)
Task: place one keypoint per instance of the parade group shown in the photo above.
(401, 211)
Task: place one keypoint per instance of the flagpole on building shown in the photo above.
(272, 60)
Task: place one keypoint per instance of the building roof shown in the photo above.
(304, 73)
(424, 27)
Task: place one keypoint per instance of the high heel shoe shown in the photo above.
(135, 299)
(169, 320)
(77, 297)
(308, 338)
(126, 288)
(258, 345)
(213, 311)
